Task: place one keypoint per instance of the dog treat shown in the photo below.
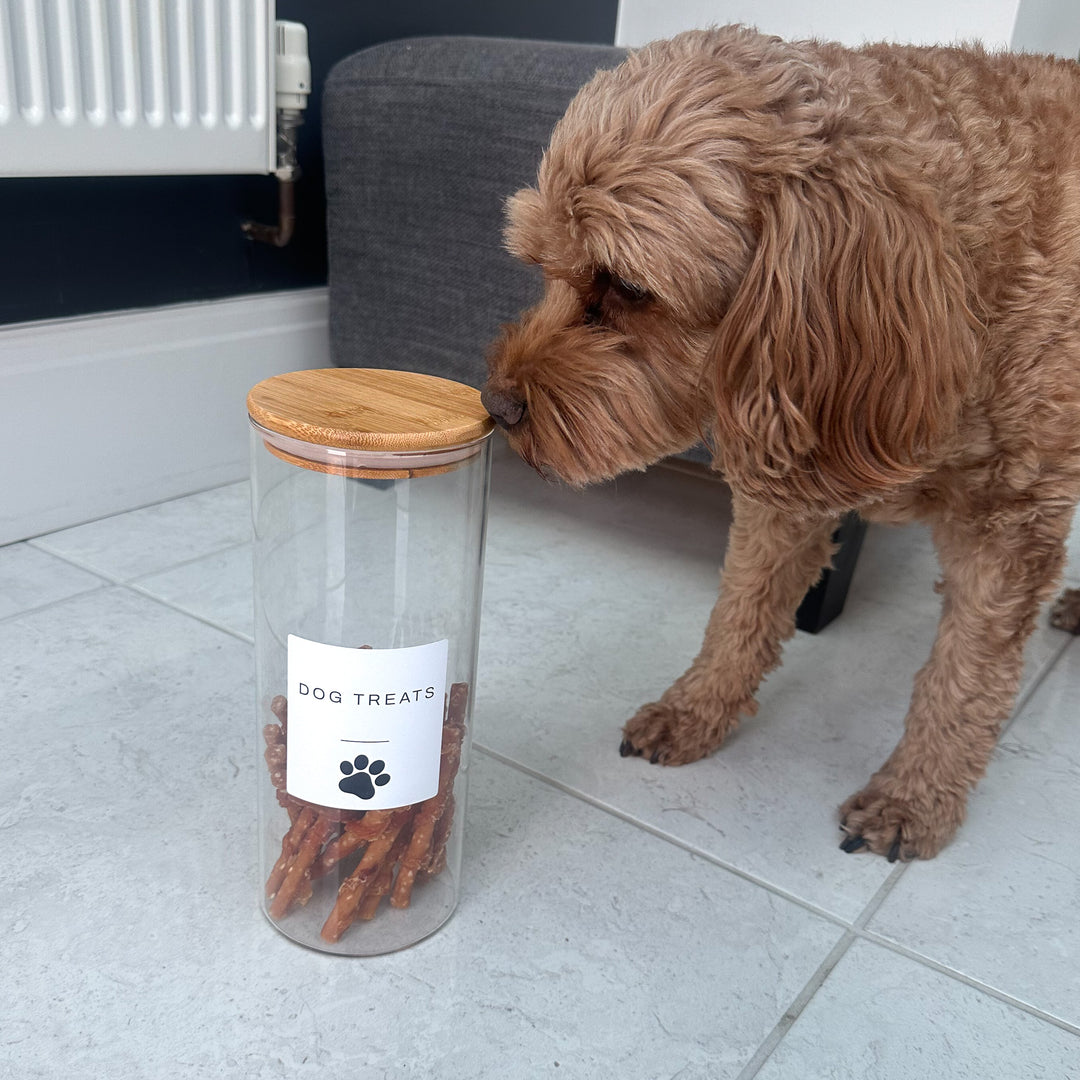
(393, 849)
(298, 871)
(381, 886)
(368, 869)
(352, 838)
(428, 814)
(290, 844)
(275, 735)
(438, 842)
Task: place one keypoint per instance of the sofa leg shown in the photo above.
(826, 599)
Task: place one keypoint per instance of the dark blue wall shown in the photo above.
(73, 246)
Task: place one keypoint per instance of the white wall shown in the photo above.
(1048, 26)
(1034, 25)
(106, 413)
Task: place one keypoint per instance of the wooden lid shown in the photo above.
(370, 409)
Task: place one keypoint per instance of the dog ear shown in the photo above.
(523, 225)
(844, 356)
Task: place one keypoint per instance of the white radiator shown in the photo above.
(107, 87)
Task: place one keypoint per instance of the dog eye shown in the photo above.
(630, 290)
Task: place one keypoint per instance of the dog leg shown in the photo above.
(995, 580)
(771, 561)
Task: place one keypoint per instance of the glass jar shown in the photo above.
(369, 501)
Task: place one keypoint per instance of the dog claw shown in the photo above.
(655, 757)
(894, 851)
(852, 843)
(626, 748)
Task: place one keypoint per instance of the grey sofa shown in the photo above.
(423, 140)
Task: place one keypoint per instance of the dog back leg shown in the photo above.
(996, 576)
(772, 559)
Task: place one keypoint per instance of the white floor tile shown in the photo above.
(154, 538)
(30, 578)
(595, 601)
(884, 1017)
(216, 587)
(1000, 904)
(127, 807)
(133, 936)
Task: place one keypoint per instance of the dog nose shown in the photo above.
(506, 408)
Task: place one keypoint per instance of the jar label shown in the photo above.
(365, 725)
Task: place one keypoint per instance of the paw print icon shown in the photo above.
(361, 777)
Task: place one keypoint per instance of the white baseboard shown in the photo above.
(107, 413)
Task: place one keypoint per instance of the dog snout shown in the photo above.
(506, 407)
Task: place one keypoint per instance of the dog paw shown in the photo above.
(1065, 614)
(886, 824)
(667, 735)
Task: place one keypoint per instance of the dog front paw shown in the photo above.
(1065, 614)
(668, 735)
(888, 824)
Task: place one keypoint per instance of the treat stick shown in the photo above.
(436, 860)
(354, 836)
(274, 756)
(274, 735)
(280, 708)
(457, 699)
(305, 890)
(290, 842)
(381, 886)
(300, 865)
(427, 816)
(354, 886)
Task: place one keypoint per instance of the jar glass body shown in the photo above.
(368, 576)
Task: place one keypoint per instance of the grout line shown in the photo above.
(139, 590)
(852, 932)
(794, 1010)
(12, 616)
(967, 980)
(804, 997)
(72, 560)
(235, 546)
(36, 540)
(660, 834)
(828, 965)
(858, 931)
(115, 579)
(880, 896)
(104, 580)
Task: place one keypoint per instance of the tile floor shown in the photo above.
(619, 920)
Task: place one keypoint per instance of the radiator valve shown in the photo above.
(292, 80)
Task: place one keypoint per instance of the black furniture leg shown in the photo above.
(826, 599)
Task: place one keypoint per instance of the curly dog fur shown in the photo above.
(856, 273)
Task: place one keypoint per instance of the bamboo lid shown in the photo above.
(370, 409)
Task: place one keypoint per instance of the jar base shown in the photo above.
(391, 930)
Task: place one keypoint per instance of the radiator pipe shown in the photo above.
(281, 233)
(287, 173)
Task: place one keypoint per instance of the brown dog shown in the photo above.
(857, 274)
